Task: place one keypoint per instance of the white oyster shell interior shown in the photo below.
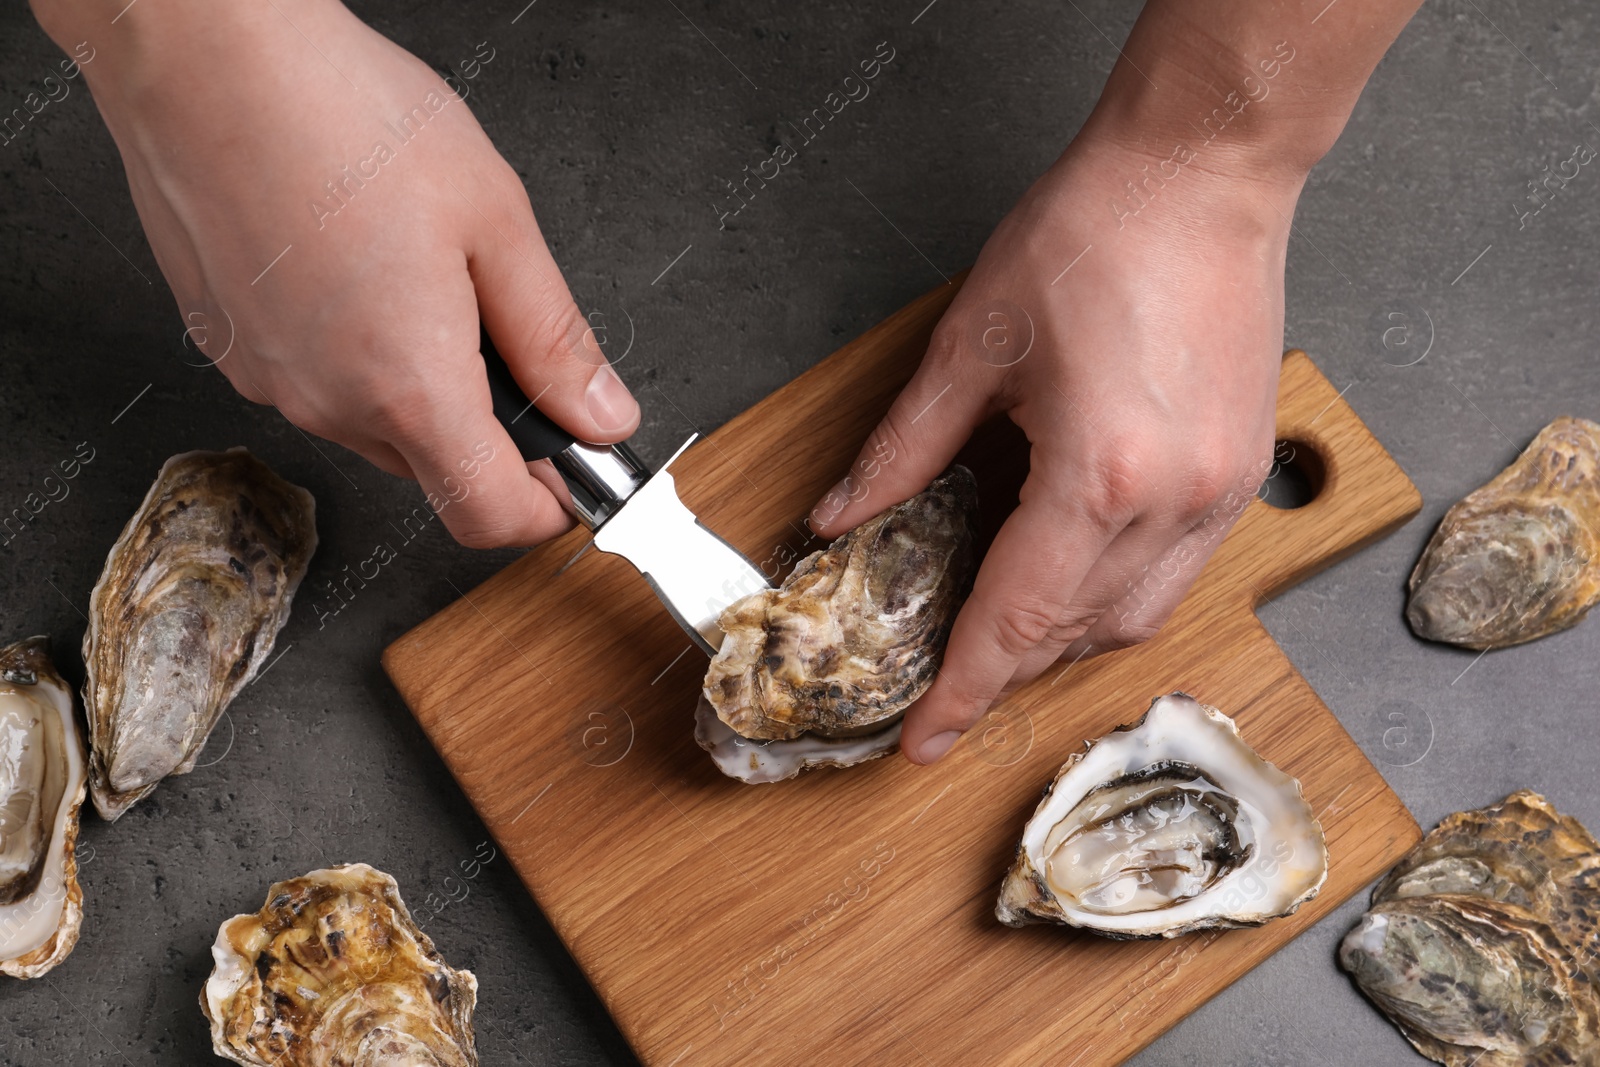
(757, 762)
(1172, 825)
(43, 773)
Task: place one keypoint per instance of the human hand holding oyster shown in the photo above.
(1137, 347)
(1148, 395)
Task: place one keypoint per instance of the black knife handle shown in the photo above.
(599, 478)
(531, 430)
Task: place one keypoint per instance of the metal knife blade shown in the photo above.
(694, 572)
(633, 513)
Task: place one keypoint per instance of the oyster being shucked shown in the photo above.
(1165, 827)
(185, 612)
(332, 971)
(755, 762)
(1483, 944)
(852, 637)
(1520, 557)
(42, 775)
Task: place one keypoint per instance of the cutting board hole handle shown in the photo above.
(1296, 477)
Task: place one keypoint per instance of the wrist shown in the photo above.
(64, 21)
(143, 52)
(1108, 189)
(70, 24)
(1248, 104)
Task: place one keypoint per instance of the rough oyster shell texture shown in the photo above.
(185, 612)
(855, 633)
(1167, 826)
(1520, 557)
(333, 972)
(852, 637)
(1483, 944)
(43, 771)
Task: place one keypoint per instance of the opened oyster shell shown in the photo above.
(185, 612)
(852, 637)
(43, 771)
(333, 971)
(1483, 944)
(1165, 827)
(1520, 557)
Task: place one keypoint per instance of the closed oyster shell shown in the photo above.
(333, 972)
(855, 634)
(1520, 851)
(1520, 557)
(1474, 982)
(43, 771)
(1482, 943)
(185, 612)
(1165, 827)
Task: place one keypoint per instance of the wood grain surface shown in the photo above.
(846, 917)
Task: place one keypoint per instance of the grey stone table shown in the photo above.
(624, 122)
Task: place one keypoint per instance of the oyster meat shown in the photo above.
(1171, 825)
(1483, 944)
(333, 972)
(185, 612)
(1520, 557)
(43, 772)
(820, 670)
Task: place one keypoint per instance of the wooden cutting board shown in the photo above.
(846, 917)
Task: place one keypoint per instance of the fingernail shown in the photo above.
(829, 507)
(937, 745)
(611, 406)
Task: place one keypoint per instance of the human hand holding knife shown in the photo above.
(633, 513)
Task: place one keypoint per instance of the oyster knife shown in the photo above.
(634, 514)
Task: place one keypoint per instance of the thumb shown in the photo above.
(546, 341)
(926, 426)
